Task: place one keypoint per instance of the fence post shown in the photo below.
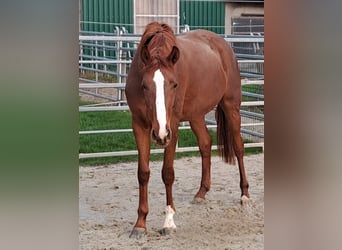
(118, 48)
(104, 53)
(122, 76)
(81, 57)
(96, 65)
(121, 69)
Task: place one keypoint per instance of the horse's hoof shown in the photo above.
(244, 200)
(167, 231)
(138, 233)
(198, 200)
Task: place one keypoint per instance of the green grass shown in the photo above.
(101, 76)
(105, 142)
(256, 89)
(123, 141)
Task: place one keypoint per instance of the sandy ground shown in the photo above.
(108, 201)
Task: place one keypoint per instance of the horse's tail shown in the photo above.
(225, 140)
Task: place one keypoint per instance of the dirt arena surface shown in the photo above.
(108, 202)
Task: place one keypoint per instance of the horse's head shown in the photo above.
(159, 85)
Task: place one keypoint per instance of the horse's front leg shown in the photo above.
(168, 176)
(142, 138)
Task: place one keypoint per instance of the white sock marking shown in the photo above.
(169, 223)
(158, 79)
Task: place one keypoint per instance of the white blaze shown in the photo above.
(158, 79)
(169, 223)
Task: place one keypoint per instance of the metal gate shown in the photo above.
(251, 110)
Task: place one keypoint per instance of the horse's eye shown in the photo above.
(144, 87)
(175, 85)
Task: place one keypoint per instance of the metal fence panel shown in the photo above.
(252, 105)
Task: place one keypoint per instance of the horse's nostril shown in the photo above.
(161, 139)
(154, 134)
(168, 133)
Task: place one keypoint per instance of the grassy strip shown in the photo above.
(101, 77)
(123, 141)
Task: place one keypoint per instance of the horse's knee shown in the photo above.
(168, 175)
(143, 176)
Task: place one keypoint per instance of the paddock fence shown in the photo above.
(110, 55)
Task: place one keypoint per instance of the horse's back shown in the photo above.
(208, 67)
(204, 41)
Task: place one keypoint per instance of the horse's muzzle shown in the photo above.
(162, 142)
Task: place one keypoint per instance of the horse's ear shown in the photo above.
(174, 55)
(145, 55)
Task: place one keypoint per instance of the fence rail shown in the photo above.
(112, 55)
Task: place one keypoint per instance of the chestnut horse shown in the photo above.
(182, 78)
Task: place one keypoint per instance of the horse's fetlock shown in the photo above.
(206, 187)
(143, 211)
(244, 185)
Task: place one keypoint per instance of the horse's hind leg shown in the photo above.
(204, 142)
(233, 119)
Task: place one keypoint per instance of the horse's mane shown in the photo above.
(159, 40)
